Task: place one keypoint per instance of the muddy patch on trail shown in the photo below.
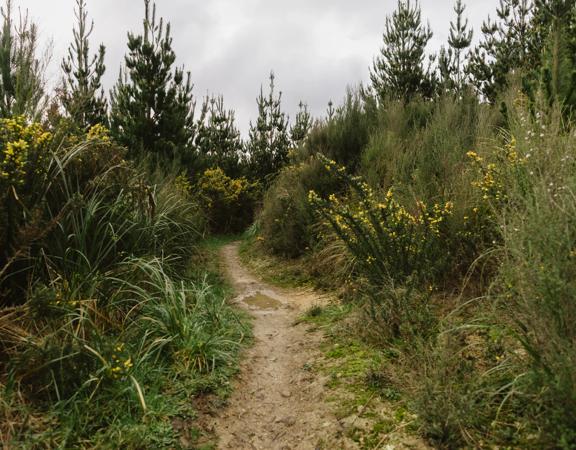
(261, 301)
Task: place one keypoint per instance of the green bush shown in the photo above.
(103, 309)
(286, 221)
(536, 285)
(343, 136)
(229, 203)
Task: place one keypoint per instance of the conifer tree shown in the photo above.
(507, 44)
(268, 142)
(302, 124)
(555, 24)
(399, 70)
(22, 82)
(217, 139)
(451, 61)
(152, 105)
(330, 111)
(83, 98)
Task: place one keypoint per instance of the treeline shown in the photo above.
(439, 200)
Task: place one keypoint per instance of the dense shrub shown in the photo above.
(102, 306)
(23, 169)
(286, 221)
(343, 136)
(391, 247)
(229, 203)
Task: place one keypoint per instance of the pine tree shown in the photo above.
(507, 45)
(217, 139)
(22, 83)
(330, 111)
(82, 97)
(152, 105)
(451, 61)
(302, 125)
(398, 71)
(268, 142)
(555, 24)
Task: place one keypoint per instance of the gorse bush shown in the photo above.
(229, 203)
(23, 166)
(391, 247)
(386, 240)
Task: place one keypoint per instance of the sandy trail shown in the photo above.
(278, 402)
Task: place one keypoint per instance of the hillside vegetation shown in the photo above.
(438, 202)
(441, 204)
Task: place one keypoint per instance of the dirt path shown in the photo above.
(278, 402)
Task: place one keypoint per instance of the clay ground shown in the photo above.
(278, 401)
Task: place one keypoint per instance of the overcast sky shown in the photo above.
(316, 47)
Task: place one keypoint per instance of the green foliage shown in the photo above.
(152, 110)
(285, 220)
(507, 45)
(189, 324)
(420, 147)
(228, 202)
(558, 77)
(22, 83)
(302, 124)
(23, 172)
(390, 246)
(103, 311)
(451, 62)
(536, 279)
(344, 135)
(268, 141)
(217, 139)
(387, 241)
(82, 95)
(399, 72)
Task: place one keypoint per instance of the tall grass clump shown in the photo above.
(99, 310)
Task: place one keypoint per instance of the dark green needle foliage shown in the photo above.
(506, 46)
(82, 96)
(555, 25)
(268, 142)
(451, 62)
(152, 105)
(302, 124)
(399, 71)
(22, 81)
(217, 139)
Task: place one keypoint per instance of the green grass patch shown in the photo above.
(272, 269)
(362, 398)
(179, 353)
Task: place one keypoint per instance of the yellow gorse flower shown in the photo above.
(21, 150)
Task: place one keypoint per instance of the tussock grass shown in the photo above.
(106, 327)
